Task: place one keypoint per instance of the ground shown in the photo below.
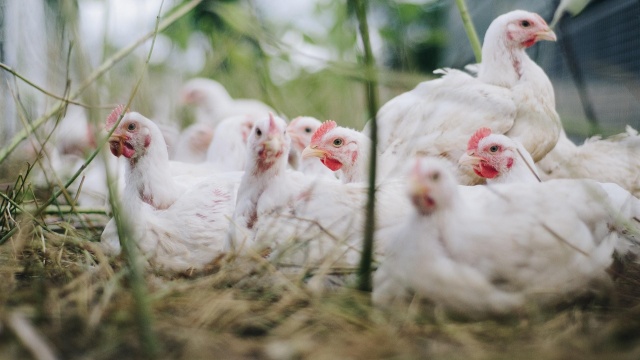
(62, 286)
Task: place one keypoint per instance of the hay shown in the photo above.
(80, 303)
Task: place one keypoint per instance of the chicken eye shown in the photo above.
(307, 130)
(337, 142)
(525, 23)
(435, 176)
(258, 132)
(494, 148)
(131, 126)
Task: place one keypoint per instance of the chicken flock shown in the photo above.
(483, 205)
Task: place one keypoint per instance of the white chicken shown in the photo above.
(302, 220)
(615, 159)
(346, 151)
(73, 133)
(499, 159)
(511, 95)
(502, 160)
(341, 149)
(213, 103)
(95, 189)
(193, 143)
(228, 149)
(301, 131)
(543, 242)
(178, 223)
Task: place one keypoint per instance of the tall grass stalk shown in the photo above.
(101, 70)
(136, 275)
(15, 73)
(470, 29)
(371, 83)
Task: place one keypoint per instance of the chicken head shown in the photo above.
(431, 184)
(132, 137)
(523, 29)
(335, 146)
(489, 154)
(301, 129)
(269, 141)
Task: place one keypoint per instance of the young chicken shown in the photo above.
(302, 220)
(502, 160)
(193, 143)
(301, 130)
(542, 242)
(214, 104)
(178, 223)
(346, 151)
(614, 159)
(228, 149)
(498, 159)
(511, 95)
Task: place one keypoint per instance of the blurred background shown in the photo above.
(301, 56)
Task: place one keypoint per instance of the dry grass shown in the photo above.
(80, 303)
(59, 294)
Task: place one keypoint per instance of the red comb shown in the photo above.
(272, 123)
(477, 136)
(113, 117)
(323, 129)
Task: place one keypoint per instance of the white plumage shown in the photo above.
(615, 159)
(487, 249)
(178, 223)
(73, 133)
(499, 159)
(340, 149)
(302, 220)
(95, 188)
(228, 149)
(301, 130)
(213, 103)
(346, 151)
(511, 95)
(193, 143)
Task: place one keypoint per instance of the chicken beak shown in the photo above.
(417, 188)
(273, 144)
(547, 34)
(116, 144)
(313, 151)
(420, 194)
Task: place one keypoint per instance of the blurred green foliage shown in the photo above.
(246, 47)
(413, 33)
